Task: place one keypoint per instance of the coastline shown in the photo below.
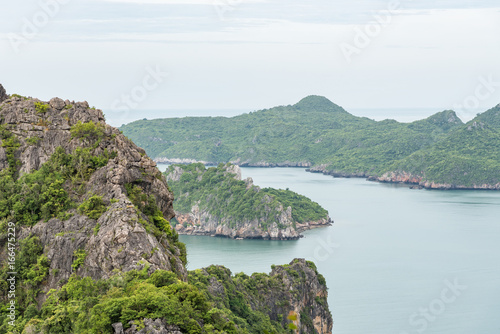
(413, 181)
(191, 224)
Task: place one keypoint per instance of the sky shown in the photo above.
(128, 57)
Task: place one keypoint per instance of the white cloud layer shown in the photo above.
(257, 54)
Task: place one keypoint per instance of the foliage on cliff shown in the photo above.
(213, 301)
(217, 190)
(314, 131)
(55, 159)
(41, 194)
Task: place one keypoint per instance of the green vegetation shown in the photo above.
(89, 132)
(19, 96)
(154, 221)
(80, 256)
(10, 143)
(33, 140)
(32, 269)
(314, 130)
(41, 194)
(232, 201)
(84, 305)
(41, 108)
(468, 157)
(93, 207)
(147, 205)
(303, 209)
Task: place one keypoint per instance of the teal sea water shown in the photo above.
(396, 260)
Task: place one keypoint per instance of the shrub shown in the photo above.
(33, 140)
(80, 255)
(93, 207)
(41, 107)
(89, 131)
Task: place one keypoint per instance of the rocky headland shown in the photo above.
(268, 219)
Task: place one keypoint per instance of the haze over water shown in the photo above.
(396, 260)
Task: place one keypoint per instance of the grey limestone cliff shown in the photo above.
(115, 241)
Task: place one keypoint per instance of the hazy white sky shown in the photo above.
(253, 54)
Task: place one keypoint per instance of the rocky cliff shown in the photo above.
(293, 294)
(117, 240)
(217, 212)
(91, 212)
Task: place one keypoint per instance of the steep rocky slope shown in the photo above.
(294, 291)
(121, 241)
(91, 215)
(293, 295)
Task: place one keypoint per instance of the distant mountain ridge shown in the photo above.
(319, 134)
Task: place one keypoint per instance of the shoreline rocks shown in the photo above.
(413, 181)
(202, 223)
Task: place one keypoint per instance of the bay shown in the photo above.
(396, 260)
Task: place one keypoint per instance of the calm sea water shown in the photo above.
(396, 260)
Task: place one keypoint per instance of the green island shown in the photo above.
(437, 152)
(215, 201)
(87, 246)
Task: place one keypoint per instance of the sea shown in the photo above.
(396, 260)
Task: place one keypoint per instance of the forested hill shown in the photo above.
(469, 157)
(320, 134)
(312, 132)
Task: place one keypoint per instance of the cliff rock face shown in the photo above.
(3, 94)
(201, 222)
(293, 295)
(307, 296)
(295, 290)
(117, 240)
(274, 223)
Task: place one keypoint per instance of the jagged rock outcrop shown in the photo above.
(293, 291)
(3, 94)
(115, 241)
(202, 222)
(307, 296)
